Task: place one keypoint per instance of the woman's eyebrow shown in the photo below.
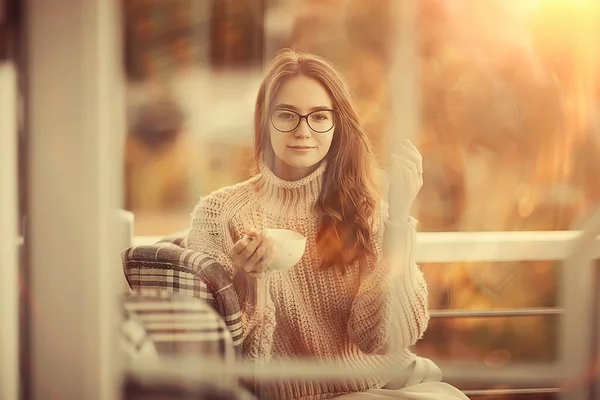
(291, 107)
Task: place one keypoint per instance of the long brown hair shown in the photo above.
(348, 202)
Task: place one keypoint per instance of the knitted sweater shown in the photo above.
(365, 318)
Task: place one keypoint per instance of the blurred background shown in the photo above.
(506, 95)
(509, 128)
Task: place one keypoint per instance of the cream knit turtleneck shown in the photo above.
(363, 318)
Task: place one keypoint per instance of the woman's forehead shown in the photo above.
(303, 94)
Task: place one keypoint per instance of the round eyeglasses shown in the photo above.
(319, 121)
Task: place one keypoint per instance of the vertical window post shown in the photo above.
(74, 106)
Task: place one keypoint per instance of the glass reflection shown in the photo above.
(508, 124)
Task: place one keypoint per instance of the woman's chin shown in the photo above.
(303, 163)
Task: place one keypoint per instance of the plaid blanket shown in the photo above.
(159, 322)
(174, 325)
(168, 266)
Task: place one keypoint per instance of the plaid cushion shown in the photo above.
(135, 341)
(176, 324)
(170, 267)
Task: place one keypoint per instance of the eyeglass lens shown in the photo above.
(320, 121)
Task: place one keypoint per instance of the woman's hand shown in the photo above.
(253, 253)
(406, 180)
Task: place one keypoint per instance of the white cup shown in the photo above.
(290, 246)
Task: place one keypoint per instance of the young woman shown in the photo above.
(343, 302)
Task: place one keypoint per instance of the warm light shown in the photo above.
(527, 7)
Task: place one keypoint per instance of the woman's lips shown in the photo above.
(301, 148)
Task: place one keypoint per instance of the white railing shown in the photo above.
(447, 247)
(575, 322)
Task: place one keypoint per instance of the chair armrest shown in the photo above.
(162, 266)
(169, 267)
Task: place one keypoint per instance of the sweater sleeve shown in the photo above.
(210, 235)
(389, 312)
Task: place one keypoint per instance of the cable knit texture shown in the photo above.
(366, 318)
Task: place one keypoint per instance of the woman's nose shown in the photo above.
(303, 130)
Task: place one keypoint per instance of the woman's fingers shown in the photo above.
(255, 261)
(410, 152)
(415, 172)
(410, 166)
(239, 253)
(239, 247)
(411, 148)
(407, 169)
(407, 179)
(401, 159)
(406, 183)
(254, 244)
(263, 256)
(251, 232)
(253, 254)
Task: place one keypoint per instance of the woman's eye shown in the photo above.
(286, 115)
(320, 117)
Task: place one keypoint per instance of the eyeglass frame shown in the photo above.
(303, 117)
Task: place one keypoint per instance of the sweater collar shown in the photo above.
(272, 179)
(292, 199)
